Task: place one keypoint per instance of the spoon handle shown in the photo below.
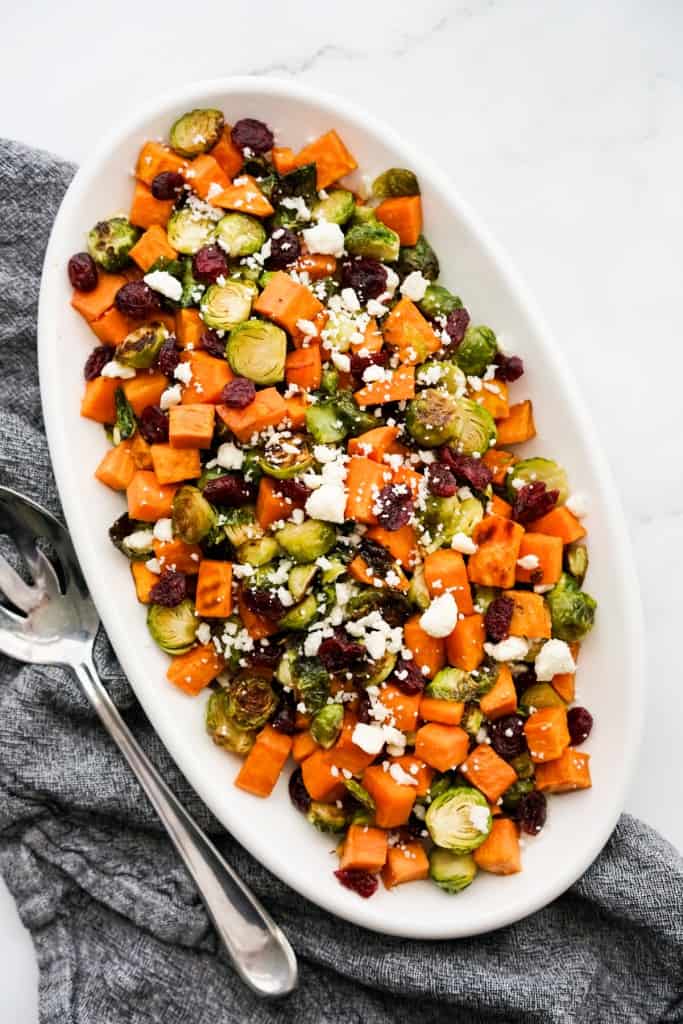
(258, 948)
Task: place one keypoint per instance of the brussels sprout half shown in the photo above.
(540, 695)
(418, 592)
(451, 871)
(442, 518)
(193, 516)
(173, 629)
(456, 684)
(431, 418)
(438, 301)
(373, 239)
(471, 720)
(301, 615)
(397, 181)
(188, 232)
(240, 525)
(251, 700)
(257, 350)
(572, 610)
(258, 552)
(141, 347)
(476, 350)
(304, 542)
(324, 423)
(474, 428)
(576, 561)
(546, 470)
(326, 725)
(110, 242)
(326, 817)
(452, 823)
(337, 208)
(240, 235)
(420, 257)
(196, 132)
(311, 681)
(222, 728)
(224, 306)
(300, 579)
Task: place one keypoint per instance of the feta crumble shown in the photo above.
(325, 238)
(164, 283)
(441, 617)
(553, 658)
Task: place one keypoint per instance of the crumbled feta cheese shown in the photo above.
(183, 373)
(171, 396)
(328, 503)
(430, 376)
(203, 633)
(307, 327)
(376, 645)
(392, 281)
(164, 283)
(140, 540)
(512, 649)
(154, 565)
(229, 456)
(528, 562)
(374, 373)
(554, 657)
(464, 544)
(325, 238)
(312, 644)
(441, 617)
(341, 361)
(414, 286)
(115, 369)
(297, 203)
(479, 816)
(401, 776)
(163, 530)
(578, 505)
(285, 597)
(350, 300)
(369, 738)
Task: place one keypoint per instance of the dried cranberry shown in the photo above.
(98, 358)
(358, 881)
(359, 364)
(294, 490)
(153, 424)
(407, 676)
(230, 490)
(364, 709)
(338, 652)
(170, 589)
(524, 680)
(210, 263)
(498, 618)
(473, 471)
(167, 185)
(441, 480)
(284, 719)
(212, 344)
(169, 356)
(533, 501)
(457, 323)
(263, 602)
(508, 368)
(579, 723)
(298, 793)
(136, 299)
(531, 812)
(366, 276)
(507, 736)
(266, 655)
(248, 133)
(414, 828)
(393, 506)
(239, 393)
(82, 271)
(284, 249)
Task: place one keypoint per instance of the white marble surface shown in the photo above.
(560, 124)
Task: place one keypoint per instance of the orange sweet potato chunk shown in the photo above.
(488, 772)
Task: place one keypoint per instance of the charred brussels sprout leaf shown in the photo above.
(356, 419)
(304, 542)
(239, 525)
(141, 347)
(377, 671)
(420, 257)
(397, 181)
(224, 306)
(240, 235)
(418, 592)
(196, 132)
(251, 701)
(459, 819)
(193, 516)
(173, 629)
(438, 301)
(257, 350)
(476, 350)
(431, 418)
(474, 429)
(576, 559)
(546, 470)
(302, 181)
(373, 239)
(523, 765)
(572, 610)
(126, 424)
(300, 579)
(451, 871)
(326, 725)
(110, 242)
(393, 606)
(456, 684)
(311, 682)
(361, 795)
(337, 208)
(187, 232)
(330, 380)
(326, 817)
(221, 726)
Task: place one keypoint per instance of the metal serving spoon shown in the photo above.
(53, 621)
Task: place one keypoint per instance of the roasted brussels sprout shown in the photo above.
(540, 695)
(431, 417)
(110, 242)
(337, 208)
(474, 429)
(418, 592)
(193, 516)
(397, 181)
(451, 871)
(357, 420)
(222, 728)
(240, 525)
(133, 538)
(393, 606)
(258, 552)
(514, 793)
(251, 700)
(456, 684)
(302, 181)
(442, 375)
(572, 610)
(141, 347)
(196, 132)
(304, 542)
(373, 239)
(284, 460)
(375, 672)
(576, 561)
(326, 817)
(484, 596)
(301, 615)
(125, 425)
(173, 629)
(335, 569)
(438, 301)
(224, 306)
(476, 350)
(257, 350)
(442, 518)
(324, 423)
(545, 470)
(300, 579)
(420, 257)
(523, 765)
(326, 725)
(188, 232)
(329, 383)
(311, 682)
(459, 819)
(471, 720)
(239, 234)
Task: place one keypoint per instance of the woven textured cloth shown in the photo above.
(120, 934)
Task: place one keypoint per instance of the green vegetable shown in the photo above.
(444, 517)
(476, 350)
(364, 215)
(438, 301)
(240, 235)
(302, 181)
(141, 347)
(193, 516)
(196, 132)
(420, 257)
(451, 871)
(257, 350)
(222, 728)
(337, 208)
(326, 725)
(324, 423)
(187, 232)
(301, 615)
(523, 765)
(131, 537)
(326, 817)
(173, 629)
(258, 552)
(514, 793)
(456, 684)
(440, 784)
(300, 579)
(239, 525)
(474, 429)
(471, 720)
(251, 700)
(576, 560)
(418, 592)
(572, 610)
(431, 417)
(286, 459)
(450, 821)
(360, 794)
(126, 424)
(192, 288)
(373, 239)
(442, 375)
(330, 380)
(540, 695)
(397, 181)
(376, 671)
(110, 242)
(304, 542)
(357, 420)
(484, 596)
(224, 306)
(547, 471)
(336, 568)
(311, 682)
(393, 606)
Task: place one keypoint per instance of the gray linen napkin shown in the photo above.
(120, 933)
